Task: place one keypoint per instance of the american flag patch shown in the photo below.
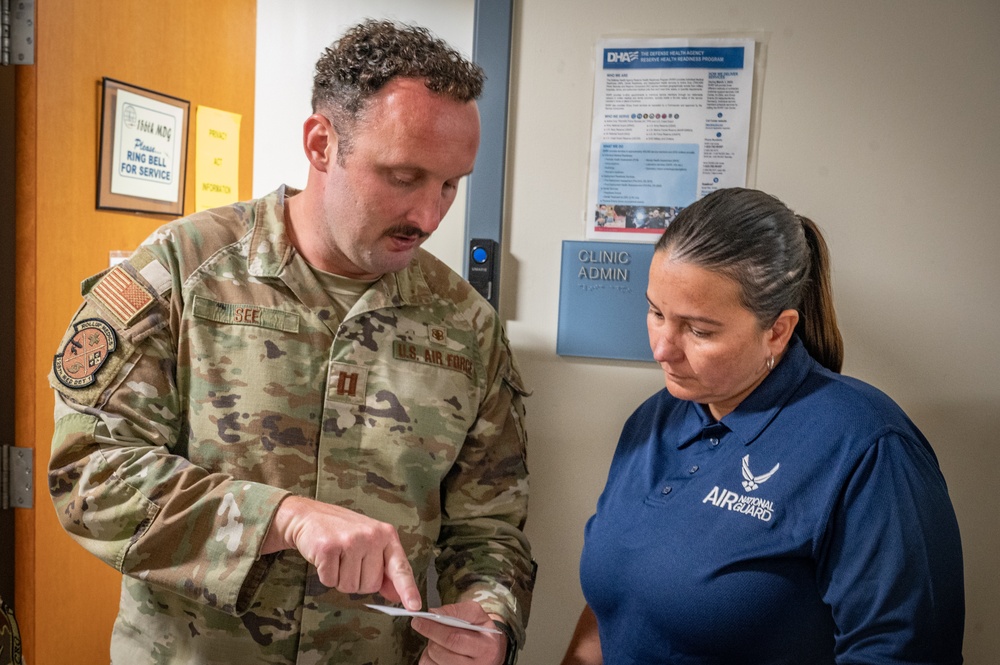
(122, 294)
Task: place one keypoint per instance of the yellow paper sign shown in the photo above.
(217, 160)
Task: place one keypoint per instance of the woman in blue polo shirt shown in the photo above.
(764, 509)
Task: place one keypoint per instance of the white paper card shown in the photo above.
(440, 618)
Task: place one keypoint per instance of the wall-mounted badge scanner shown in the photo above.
(482, 265)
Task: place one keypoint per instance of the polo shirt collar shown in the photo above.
(754, 413)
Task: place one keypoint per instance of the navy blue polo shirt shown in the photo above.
(811, 525)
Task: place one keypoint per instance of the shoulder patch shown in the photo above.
(122, 294)
(85, 353)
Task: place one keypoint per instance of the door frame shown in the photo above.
(8, 136)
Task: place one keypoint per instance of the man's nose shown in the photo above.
(427, 211)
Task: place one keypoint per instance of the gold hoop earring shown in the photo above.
(770, 363)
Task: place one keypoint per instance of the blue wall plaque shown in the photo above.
(602, 300)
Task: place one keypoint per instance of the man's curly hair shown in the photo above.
(371, 54)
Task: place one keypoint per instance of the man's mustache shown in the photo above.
(407, 231)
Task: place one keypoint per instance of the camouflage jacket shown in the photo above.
(205, 378)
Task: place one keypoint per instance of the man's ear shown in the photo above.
(781, 331)
(320, 142)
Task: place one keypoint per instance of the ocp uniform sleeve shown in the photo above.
(118, 477)
(484, 553)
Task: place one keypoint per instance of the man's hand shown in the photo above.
(352, 553)
(447, 645)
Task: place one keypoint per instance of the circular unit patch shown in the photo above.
(85, 353)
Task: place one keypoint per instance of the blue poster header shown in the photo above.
(709, 57)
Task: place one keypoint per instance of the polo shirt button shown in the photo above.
(668, 489)
(693, 469)
(713, 442)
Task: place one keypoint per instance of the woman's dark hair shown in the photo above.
(779, 260)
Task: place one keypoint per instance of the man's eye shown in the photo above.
(401, 178)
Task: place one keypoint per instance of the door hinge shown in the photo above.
(17, 44)
(16, 477)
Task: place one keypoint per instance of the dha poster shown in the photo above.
(671, 123)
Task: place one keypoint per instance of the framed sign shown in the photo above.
(143, 151)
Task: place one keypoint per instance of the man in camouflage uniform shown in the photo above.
(273, 413)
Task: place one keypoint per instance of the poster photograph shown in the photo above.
(671, 123)
(143, 150)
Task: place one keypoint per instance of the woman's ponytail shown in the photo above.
(817, 325)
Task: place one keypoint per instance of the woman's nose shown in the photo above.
(665, 350)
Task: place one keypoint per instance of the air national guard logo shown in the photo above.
(752, 482)
(86, 352)
(754, 506)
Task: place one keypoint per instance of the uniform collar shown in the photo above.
(270, 249)
(755, 413)
(270, 253)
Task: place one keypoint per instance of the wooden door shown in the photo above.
(7, 135)
(203, 52)
(7, 138)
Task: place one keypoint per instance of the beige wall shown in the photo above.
(877, 120)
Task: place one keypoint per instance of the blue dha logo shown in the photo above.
(622, 56)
